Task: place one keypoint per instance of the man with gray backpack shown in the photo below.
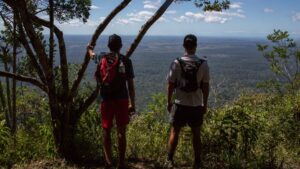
(188, 81)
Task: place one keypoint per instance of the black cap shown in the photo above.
(114, 41)
(190, 40)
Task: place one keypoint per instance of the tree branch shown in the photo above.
(25, 43)
(51, 37)
(286, 72)
(6, 20)
(88, 102)
(21, 7)
(29, 52)
(24, 79)
(95, 36)
(147, 25)
(62, 51)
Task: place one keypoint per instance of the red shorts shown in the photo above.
(117, 108)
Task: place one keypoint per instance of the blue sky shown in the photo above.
(246, 18)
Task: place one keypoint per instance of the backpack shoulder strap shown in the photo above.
(181, 63)
(122, 58)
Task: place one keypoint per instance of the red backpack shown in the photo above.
(110, 72)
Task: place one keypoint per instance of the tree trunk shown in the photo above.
(3, 104)
(14, 85)
(64, 132)
(66, 147)
(8, 96)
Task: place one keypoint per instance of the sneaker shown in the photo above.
(169, 164)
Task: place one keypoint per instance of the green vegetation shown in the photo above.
(284, 60)
(255, 131)
(33, 139)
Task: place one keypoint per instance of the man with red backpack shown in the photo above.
(188, 80)
(115, 76)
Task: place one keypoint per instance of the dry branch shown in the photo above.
(24, 79)
(62, 50)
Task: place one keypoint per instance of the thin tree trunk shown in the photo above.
(14, 91)
(4, 105)
(8, 95)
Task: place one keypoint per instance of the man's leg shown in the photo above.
(173, 141)
(107, 145)
(122, 145)
(196, 145)
(122, 119)
(107, 114)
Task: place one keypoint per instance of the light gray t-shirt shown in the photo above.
(192, 98)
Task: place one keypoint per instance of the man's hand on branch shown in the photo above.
(91, 52)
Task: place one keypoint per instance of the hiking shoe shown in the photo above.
(169, 164)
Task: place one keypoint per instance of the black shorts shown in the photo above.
(183, 115)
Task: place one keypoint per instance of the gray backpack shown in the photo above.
(189, 71)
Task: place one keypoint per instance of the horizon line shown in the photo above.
(206, 36)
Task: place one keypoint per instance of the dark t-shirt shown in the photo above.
(122, 91)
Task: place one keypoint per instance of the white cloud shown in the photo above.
(124, 21)
(73, 23)
(135, 19)
(181, 19)
(171, 12)
(236, 5)
(213, 16)
(149, 6)
(195, 15)
(215, 19)
(162, 19)
(143, 14)
(140, 16)
(209, 17)
(94, 7)
(268, 10)
(296, 17)
(78, 23)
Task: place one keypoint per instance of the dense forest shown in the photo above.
(49, 116)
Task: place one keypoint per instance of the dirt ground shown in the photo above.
(61, 164)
